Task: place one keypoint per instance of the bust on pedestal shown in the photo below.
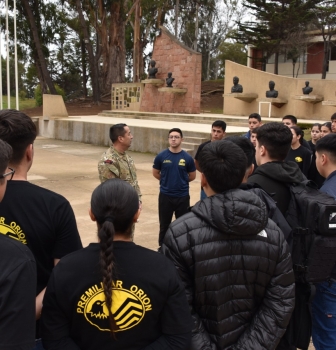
(152, 71)
(169, 80)
(271, 93)
(236, 87)
(307, 89)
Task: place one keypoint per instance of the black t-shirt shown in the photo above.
(17, 295)
(302, 157)
(313, 173)
(148, 300)
(41, 219)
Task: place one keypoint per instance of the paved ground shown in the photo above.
(70, 168)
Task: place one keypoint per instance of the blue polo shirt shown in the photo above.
(174, 169)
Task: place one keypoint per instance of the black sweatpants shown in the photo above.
(167, 207)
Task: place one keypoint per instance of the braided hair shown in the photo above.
(114, 204)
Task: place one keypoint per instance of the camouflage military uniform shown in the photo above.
(114, 164)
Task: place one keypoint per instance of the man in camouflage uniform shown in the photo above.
(115, 162)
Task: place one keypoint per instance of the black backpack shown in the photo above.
(312, 217)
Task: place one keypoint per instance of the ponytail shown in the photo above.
(106, 235)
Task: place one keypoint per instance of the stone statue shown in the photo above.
(236, 87)
(271, 93)
(152, 71)
(307, 89)
(169, 80)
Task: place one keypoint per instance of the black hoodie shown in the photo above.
(275, 178)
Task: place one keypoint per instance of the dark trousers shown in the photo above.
(167, 207)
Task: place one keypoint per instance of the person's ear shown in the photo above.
(204, 181)
(324, 159)
(30, 152)
(251, 169)
(93, 218)
(262, 150)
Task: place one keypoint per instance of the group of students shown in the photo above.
(301, 152)
(226, 280)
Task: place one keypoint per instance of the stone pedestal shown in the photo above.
(309, 98)
(329, 103)
(173, 90)
(155, 82)
(243, 96)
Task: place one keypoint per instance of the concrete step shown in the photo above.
(189, 151)
(193, 139)
(184, 119)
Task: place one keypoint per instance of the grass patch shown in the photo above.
(23, 104)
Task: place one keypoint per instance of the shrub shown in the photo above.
(39, 96)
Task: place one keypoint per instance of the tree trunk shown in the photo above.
(276, 62)
(196, 27)
(42, 61)
(177, 7)
(114, 61)
(93, 61)
(136, 44)
(325, 58)
(84, 77)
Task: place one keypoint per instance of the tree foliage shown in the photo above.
(274, 21)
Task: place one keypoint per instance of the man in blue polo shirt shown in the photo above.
(174, 168)
(324, 302)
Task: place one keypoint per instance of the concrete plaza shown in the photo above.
(70, 168)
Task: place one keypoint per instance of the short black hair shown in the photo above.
(292, 118)
(327, 144)
(255, 116)
(18, 130)
(276, 138)
(5, 155)
(246, 145)
(333, 117)
(176, 130)
(219, 124)
(223, 164)
(116, 131)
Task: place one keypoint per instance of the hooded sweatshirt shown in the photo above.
(275, 178)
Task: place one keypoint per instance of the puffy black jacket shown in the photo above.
(237, 272)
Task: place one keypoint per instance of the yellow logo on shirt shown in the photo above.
(298, 159)
(128, 306)
(182, 162)
(13, 230)
(167, 161)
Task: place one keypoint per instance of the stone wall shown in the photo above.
(256, 81)
(186, 65)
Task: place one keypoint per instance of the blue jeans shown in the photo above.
(324, 316)
(203, 195)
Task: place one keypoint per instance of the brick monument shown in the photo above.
(186, 65)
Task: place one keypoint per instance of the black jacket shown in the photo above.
(273, 211)
(274, 178)
(237, 272)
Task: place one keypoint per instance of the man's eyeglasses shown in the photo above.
(174, 137)
(11, 174)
